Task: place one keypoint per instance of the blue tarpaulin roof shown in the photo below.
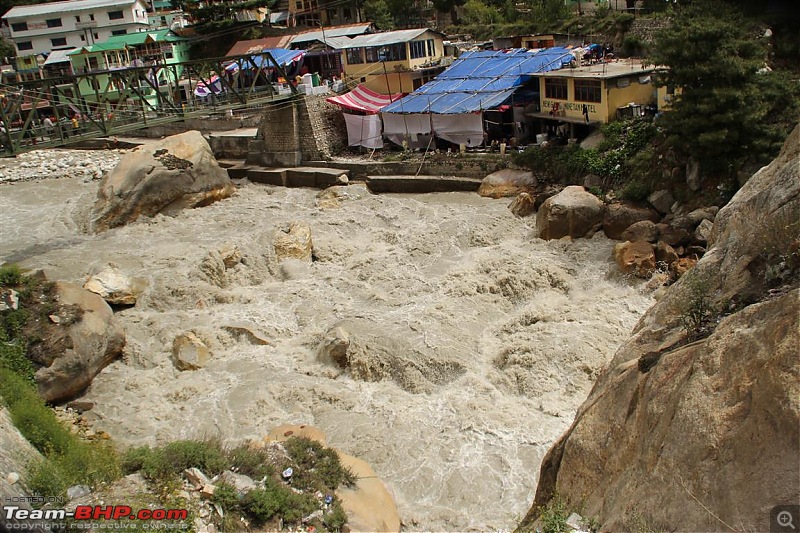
(282, 56)
(480, 80)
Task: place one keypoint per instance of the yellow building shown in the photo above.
(395, 61)
(594, 94)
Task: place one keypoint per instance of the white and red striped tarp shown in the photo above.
(363, 99)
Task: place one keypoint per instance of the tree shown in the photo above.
(476, 12)
(712, 61)
(448, 6)
(377, 12)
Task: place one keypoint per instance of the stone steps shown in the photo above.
(323, 177)
(421, 184)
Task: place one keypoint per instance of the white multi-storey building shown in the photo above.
(41, 28)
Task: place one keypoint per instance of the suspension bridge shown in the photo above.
(54, 112)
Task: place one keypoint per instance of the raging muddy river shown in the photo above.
(481, 340)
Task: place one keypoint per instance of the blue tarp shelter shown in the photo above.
(451, 105)
(480, 80)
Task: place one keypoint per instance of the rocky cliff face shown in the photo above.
(695, 423)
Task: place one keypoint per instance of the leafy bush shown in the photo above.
(172, 459)
(277, 500)
(554, 516)
(10, 276)
(251, 462)
(318, 467)
(635, 191)
(696, 306)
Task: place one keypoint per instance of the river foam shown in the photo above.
(493, 336)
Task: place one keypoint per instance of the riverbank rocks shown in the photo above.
(644, 230)
(573, 212)
(637, 258)
(662, 201)
(508, 182)
(189, 352)
(523, 205)
(692, 433)
(369, 506)
(621, 215)
(115, 287)
(165, 177)
(294, 242)
(81, 339)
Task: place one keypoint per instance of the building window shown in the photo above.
(77, 18)
(588, 90)
(119, 32)
(371, 54)
(25, 45)
(59, 41)
(555, 88)
(417, 49)
(95, 36)
(91, 17)
(168, 55)
(53, 23)
(115, 15)
(392, 52)
(83, 37)
(431, 48)
(19, 26)
(355, 56)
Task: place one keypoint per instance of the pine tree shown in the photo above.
(713, 61)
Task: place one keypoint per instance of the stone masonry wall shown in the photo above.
(327, 126)
(645, 28)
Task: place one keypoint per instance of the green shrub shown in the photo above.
(554, 516)
(318, 467)
(227, 497)
(172, 459)
(134, 459)
(251, 462)
(13, 358)
(336, 518)
(696, 306)
(10, 276)
(277, 500)
(635, 191)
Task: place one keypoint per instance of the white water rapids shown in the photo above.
(501, 333)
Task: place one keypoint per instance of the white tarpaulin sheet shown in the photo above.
(364, 130)
(465, 129)
(397, 127)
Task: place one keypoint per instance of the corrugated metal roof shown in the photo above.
(346, 30)
(58, 56)
(337, 43)
(384, 38)
(99, 47)
(58, 7)
(251, 46)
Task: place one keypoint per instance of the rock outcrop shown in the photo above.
(699, 435)
(81, 339)
(115, 287)
(573, 212)
(508, 182)
(294, 243)
(164, 176)
(620, 216)
(16, 454)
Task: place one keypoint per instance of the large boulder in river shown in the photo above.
(698, 429)
(620, 216)
(508, 182)
(81, 337)
(164, 176)
(573, 212)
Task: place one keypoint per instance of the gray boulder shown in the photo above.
(507, 182)
(573, 212)
(81, 338)
(165, 176)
